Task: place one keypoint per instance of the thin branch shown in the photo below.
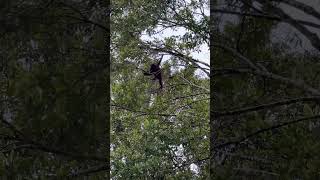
(175, 53)
(91, 170)
(68, 154)
(73, 9)
(265, 106)
(312, 37)
(250, 158)
(301, 6)
(178, 54)
(256, 15)
(192, 84)
(297, 83)
(224, 71)
(234, 52)
(187, 96)
(43, 148)
(30, 144)
(256, 171)
(90, 22)
(12, 128)
(142, 113)
(266, 130)
(249, 4)
(256, 71)
(240, 34)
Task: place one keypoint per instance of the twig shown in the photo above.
(91, 170)
(264, 106)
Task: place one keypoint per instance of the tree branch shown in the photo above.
(264, 106)
(256, 71)
(301, 6)
(274, 18)
(141, 113)
(234, 52)
(43, 148)
(266, 130)
(177, 54)
(312, 37)
(91, 170)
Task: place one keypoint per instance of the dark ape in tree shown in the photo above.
(155, 70)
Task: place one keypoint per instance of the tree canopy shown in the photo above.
(159, 134)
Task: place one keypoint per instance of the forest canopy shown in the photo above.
(159, 133)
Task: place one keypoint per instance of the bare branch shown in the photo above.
(264, 106)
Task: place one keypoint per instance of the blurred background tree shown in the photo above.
(54, 71)
(265, 118)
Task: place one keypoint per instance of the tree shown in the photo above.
(159, 134)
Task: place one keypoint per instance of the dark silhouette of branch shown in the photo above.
(141, 113)
(236, 53)
(312, 37)
(183, 57)
(31, 144)
(264, 106)
(250, 5)
(303, 7)
(255, 70)
(37, 146)
(84, 18)
(89, 22)
(91, 170)
(240, 140)
(264, 16)
(256, 171)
